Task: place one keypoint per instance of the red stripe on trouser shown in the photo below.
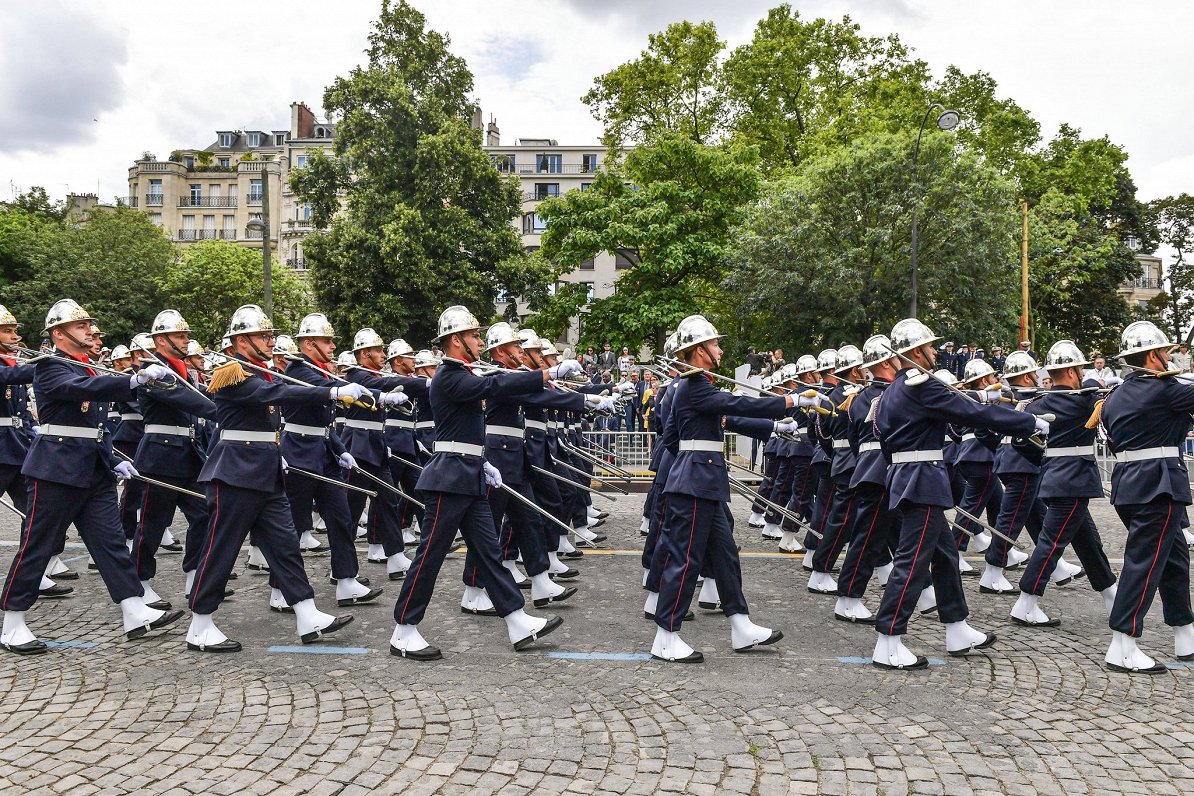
(141, 525)
(1056, 539)
(211, 533)
(687, 562)
(21, 555)
(828, 504)
(1151, 567)
(978, 507)
(911, 569)
(1015, 514)
(423, 558)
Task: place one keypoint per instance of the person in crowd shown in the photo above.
(997, 358)
(625, 360)
(1105, 376)
(606, 360)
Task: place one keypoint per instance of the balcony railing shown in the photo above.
(131, 201)
(1144, 283)
(154, 165)
(297, 263)
(538, 196)
(548, 168)
(187, 235)
(153, 200)
(254, 200)
(252, 165)
(207, 201)
(253, 234)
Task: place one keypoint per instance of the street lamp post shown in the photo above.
(946, 120)
(263, 227)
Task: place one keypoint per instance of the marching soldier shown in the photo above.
(245, 488)
(822, 457)
(911, 418)
(402, 441)
(454, 483)
(69, 475)
(16, 423)
(127, 438)
(975, 460)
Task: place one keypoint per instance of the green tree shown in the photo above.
(824, 255)
(669, 215)
(426, 216)
(1174, 217)
(212, 278)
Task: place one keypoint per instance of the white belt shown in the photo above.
(15, 422)
(553, 425)
(504, 431)
(74, 432)
(173, 431)
(130, 416)
(231, 435)
(113, 415)
(873, 445)
(841, 444)
(425, 424)
(908, 457)
(1147, 454)
(392, 423)
(306, 431)
(1006, 441)
(339, 421)
(463, 448)
(709, 445)
(968, 437)
(1077, 450)
(368, 425)
(539, 424)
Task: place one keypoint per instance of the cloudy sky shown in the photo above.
(86, 87)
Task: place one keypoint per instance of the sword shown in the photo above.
(617, 471)
(558, 477)
(156, 482)
(12, 508)
(746, 492)
(390, 487)
(332, 481)
(984, 526)
(579, 471)
(299, 382)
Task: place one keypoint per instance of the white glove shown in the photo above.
(126, 470)
(565, 369)
(35, 430)
(1042, 426)
(808, 401)
(148, 373)
(285, 465)
(991, 394)
(786, 427)
(1111, 381)
(493, 476)
(602, 403)
(346, 461)
(394, 398)
(351, 390)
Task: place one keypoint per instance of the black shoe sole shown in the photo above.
(1159, 668)
(552, 623)
(426, 654)
(570, 574)
(171, 548)
(166, 619)
(575, 554)
(775, 636)
(159, 605)
(988, 642)
(60, 591)
(227, 645)
(479, 611)
(337, 623)
(921, 663)
(284, 610)
(35, 647)
(397, 575)
(364, 598)
(695, 657)
(709, 606)
(1054, 622)
(66, 576)
(1013, 592)
(853, 620)
(559, 598)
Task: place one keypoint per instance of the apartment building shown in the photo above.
(1139, 291)
(216, 192)
(547, 169)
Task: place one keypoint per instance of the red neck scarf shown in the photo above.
(84, 360)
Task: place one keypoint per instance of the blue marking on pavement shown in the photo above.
(848, 659)
(319, 650)
(1178, 665)
(600, 656)
(79, 645)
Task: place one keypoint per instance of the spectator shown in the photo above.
(634, 406)
(1047, 382)
(960, 361)
(1181, 358)
(777, 360)
(606, 360)
(626, 360)
(997, 358)
(1100, 372)
(980, 354)
(588, 360)
(754, 360)
(1026, 347)
(646, 405)
(946, 359)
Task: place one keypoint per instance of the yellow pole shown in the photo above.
(1024, 272)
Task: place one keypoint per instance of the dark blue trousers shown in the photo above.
(332, 502)
(926, 546)
(983, 493)
(770, 464)
(1067, 521)
(781, 487)
(804, 487)
(1019, 508)
(698, 532)
(158, 505)
(13, 484)
(837, 524)
(874, 531)
(383, 510)
(550, 499)
(1155, 559)
(524, 533)
(233, 511)
(822, 498)
(53, 507)
(405, 477)
(130, 497)
(447, 513)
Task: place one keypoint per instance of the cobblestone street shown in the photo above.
(587, 711)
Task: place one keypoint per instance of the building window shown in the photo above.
(255, 191)
(588, 292)
(279, 139)
(545, 189)
(190, 163)
(584, 186)
(532, 224)
(233, 192)
(588, 163)
(229, 232)
(303, 212)
(321, 132)
(503, 163)
(1132, 242)
(587, 265)
(155, 192)
(621, 262)
(225, 163)
(226, 140)
(254, 139)
(155, 218)
(196, 194)
(549, 164)
(300, 161)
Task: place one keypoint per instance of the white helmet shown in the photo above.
(425, 359)
(249, 319)
(547, 349)
(456, 319)
(346, 359)
(399, 348)
(848, 358)
(1142, 336)
(528, 339)
(669, 345)
(694, 330)
(788, 372)
(315, 325)
(977, 369)
(225, 343)
(768, 383)
(500, 334)
(367, 338)
(284, 346)
(807, 363)
(1018, 363)
(65, 311)
(7, 318)
(143, 342)
(876, 349)
(909, 334)
(1065, 354)
(827, 360)
(122, 352)
(168, 321)
(944, 376)
(193, 349)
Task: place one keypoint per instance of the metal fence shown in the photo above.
(631, 450)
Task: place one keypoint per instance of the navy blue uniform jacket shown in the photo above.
(319, 455)
(1069, 476)
(14, 441)
(168, 454)
(1147, 412)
